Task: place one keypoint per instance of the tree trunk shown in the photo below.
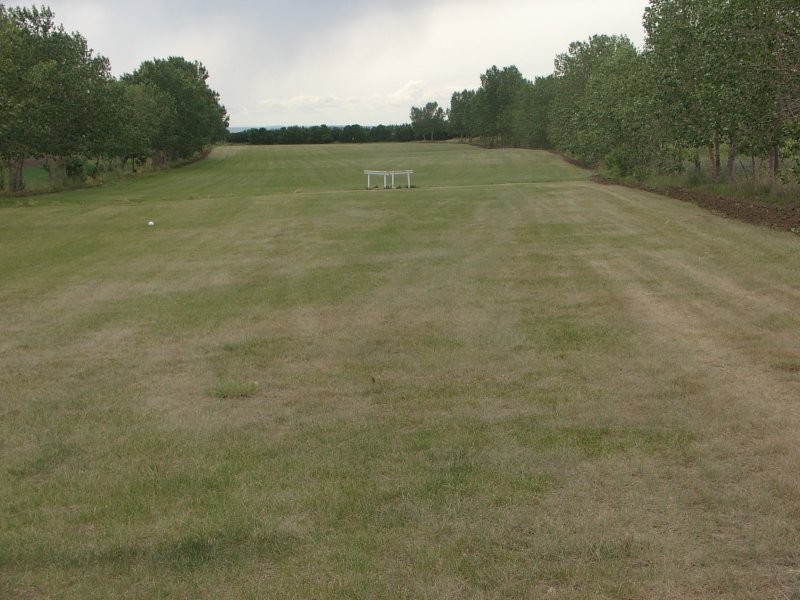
(15, 180)
(697, 166)
(713, 153)
(731, 168)
(774, 162)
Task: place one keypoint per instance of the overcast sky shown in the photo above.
(309, 62)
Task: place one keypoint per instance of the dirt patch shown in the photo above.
(784, 217)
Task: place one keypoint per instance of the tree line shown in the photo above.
(59, 103)
(433, 127)
(323, 134)
(716, 78)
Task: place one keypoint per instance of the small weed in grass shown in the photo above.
(788, 366)
(231, 389)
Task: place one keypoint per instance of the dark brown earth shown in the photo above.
(785, 217)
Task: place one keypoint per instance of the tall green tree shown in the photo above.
(616, 114)
(768, 41)
(12, 105)
(496, 105)
(569, 132)
(461, 114)
(689, 85)
(198, 118)
(725, 73)
(354, 134)
(50, 84)
(145, 118)
(542, 93)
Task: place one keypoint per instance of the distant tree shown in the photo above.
(320, 134)
(294, 135)
(354, 134)
(262, 136)
(380, 133)
(404, 133)
(323, 134)
(460, 115)
(429, 120)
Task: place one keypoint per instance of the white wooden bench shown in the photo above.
(386, 175)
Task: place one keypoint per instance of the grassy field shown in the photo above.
(507, 382)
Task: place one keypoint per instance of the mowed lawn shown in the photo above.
(506, 382)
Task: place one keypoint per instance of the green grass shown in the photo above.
(507, 382)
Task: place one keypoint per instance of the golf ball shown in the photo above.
(151, 223)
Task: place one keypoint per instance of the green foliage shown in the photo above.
(461, 116)
(616, 114)
(715, 75)
(323, 134)
(51, 84)
(196, 118)
(59, 101)
(591, 108)
(725, 73)
(497, 102)
(428, 120)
